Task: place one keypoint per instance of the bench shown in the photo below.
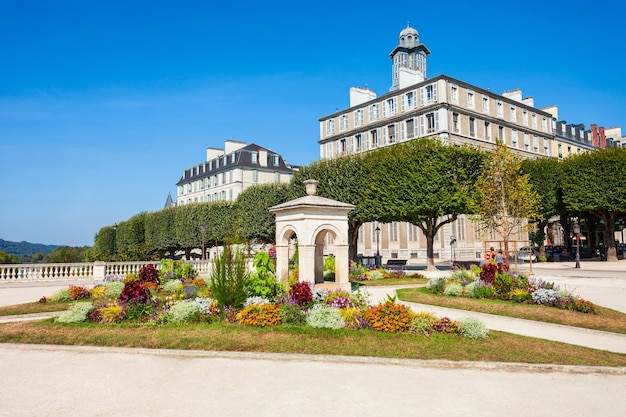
(395, 264)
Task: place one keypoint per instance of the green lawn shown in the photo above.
(499, 347)
(606, 319)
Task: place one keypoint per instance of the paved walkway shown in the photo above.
(42, 380)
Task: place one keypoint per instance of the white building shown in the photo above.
(227, 172)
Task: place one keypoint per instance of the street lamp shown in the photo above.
(576, 228)
(378, 262)
(203, 231)
(452, 242)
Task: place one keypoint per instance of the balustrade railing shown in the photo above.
(96, 271)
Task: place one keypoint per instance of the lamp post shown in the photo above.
(452, 242)
(203, 231)
(576, 228)
(378, 262)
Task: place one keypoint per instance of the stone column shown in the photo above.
(282, 263)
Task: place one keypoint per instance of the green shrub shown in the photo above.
(473, 328)
(375, 275)
(483, 291)
(229, 278)
(502, 285)
(77, 313)
(423, 323)
(184, 312)
(329, 263)
(519, 296)
(114, 289)
(436, 285)
(468, 290)
(171, 285)
(326, 317)
(61, 296)
(453, 290)
(292, 314)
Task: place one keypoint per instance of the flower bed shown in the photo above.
(177, 299)
(492, 282)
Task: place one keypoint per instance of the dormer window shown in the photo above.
(254, 158)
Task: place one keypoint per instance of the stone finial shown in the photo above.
(311, 186)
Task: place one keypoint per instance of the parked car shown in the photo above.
(524, 254)
(553, 252)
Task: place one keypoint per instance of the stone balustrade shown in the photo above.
(96, 271)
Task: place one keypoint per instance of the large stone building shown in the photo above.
(227, 172)
(456, 112)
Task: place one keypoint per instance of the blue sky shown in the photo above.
(104, 103)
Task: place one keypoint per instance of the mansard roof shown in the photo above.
(243, 159)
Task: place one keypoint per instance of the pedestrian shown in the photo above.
(499, 258)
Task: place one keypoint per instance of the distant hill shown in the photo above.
(24, 248)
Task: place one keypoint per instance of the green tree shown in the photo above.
(544, 177)
(160, 232)
(104, 244)
(131, 242)
(66, 254)
(254, 220)
(340, 179)
(7, 258)
(422, 182)
(595, 182)
(506, 197)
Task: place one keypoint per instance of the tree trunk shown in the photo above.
(430, 253)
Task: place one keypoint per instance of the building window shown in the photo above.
(374, 226)
(470, 99)
(560, 150)
(223, 178)
(513, 114)
(544, 124)
(255, 175)
(499, 109)
(525, 117)
(533, 120)
(276, 176)
(393, 231)
(329, 150)
(224, 195)
(254, 158)
(358, 117)
(455, 122)
(232, 158)
(526, 142)
(501, 134)
(409, 101)
(487, 131)
(330, 127)
(428, 94)
(454, 93)
(514, 138)
(374, 112)
(343, 147)
(391, 132)
(389, 107)
(485, 104)
(358, 139)
(343, 122)
(275, 160)
(373, 139)
(432, 123)
(410, 128)
(535, 144)
(460, 232)
(413, 233)
(472, 127)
